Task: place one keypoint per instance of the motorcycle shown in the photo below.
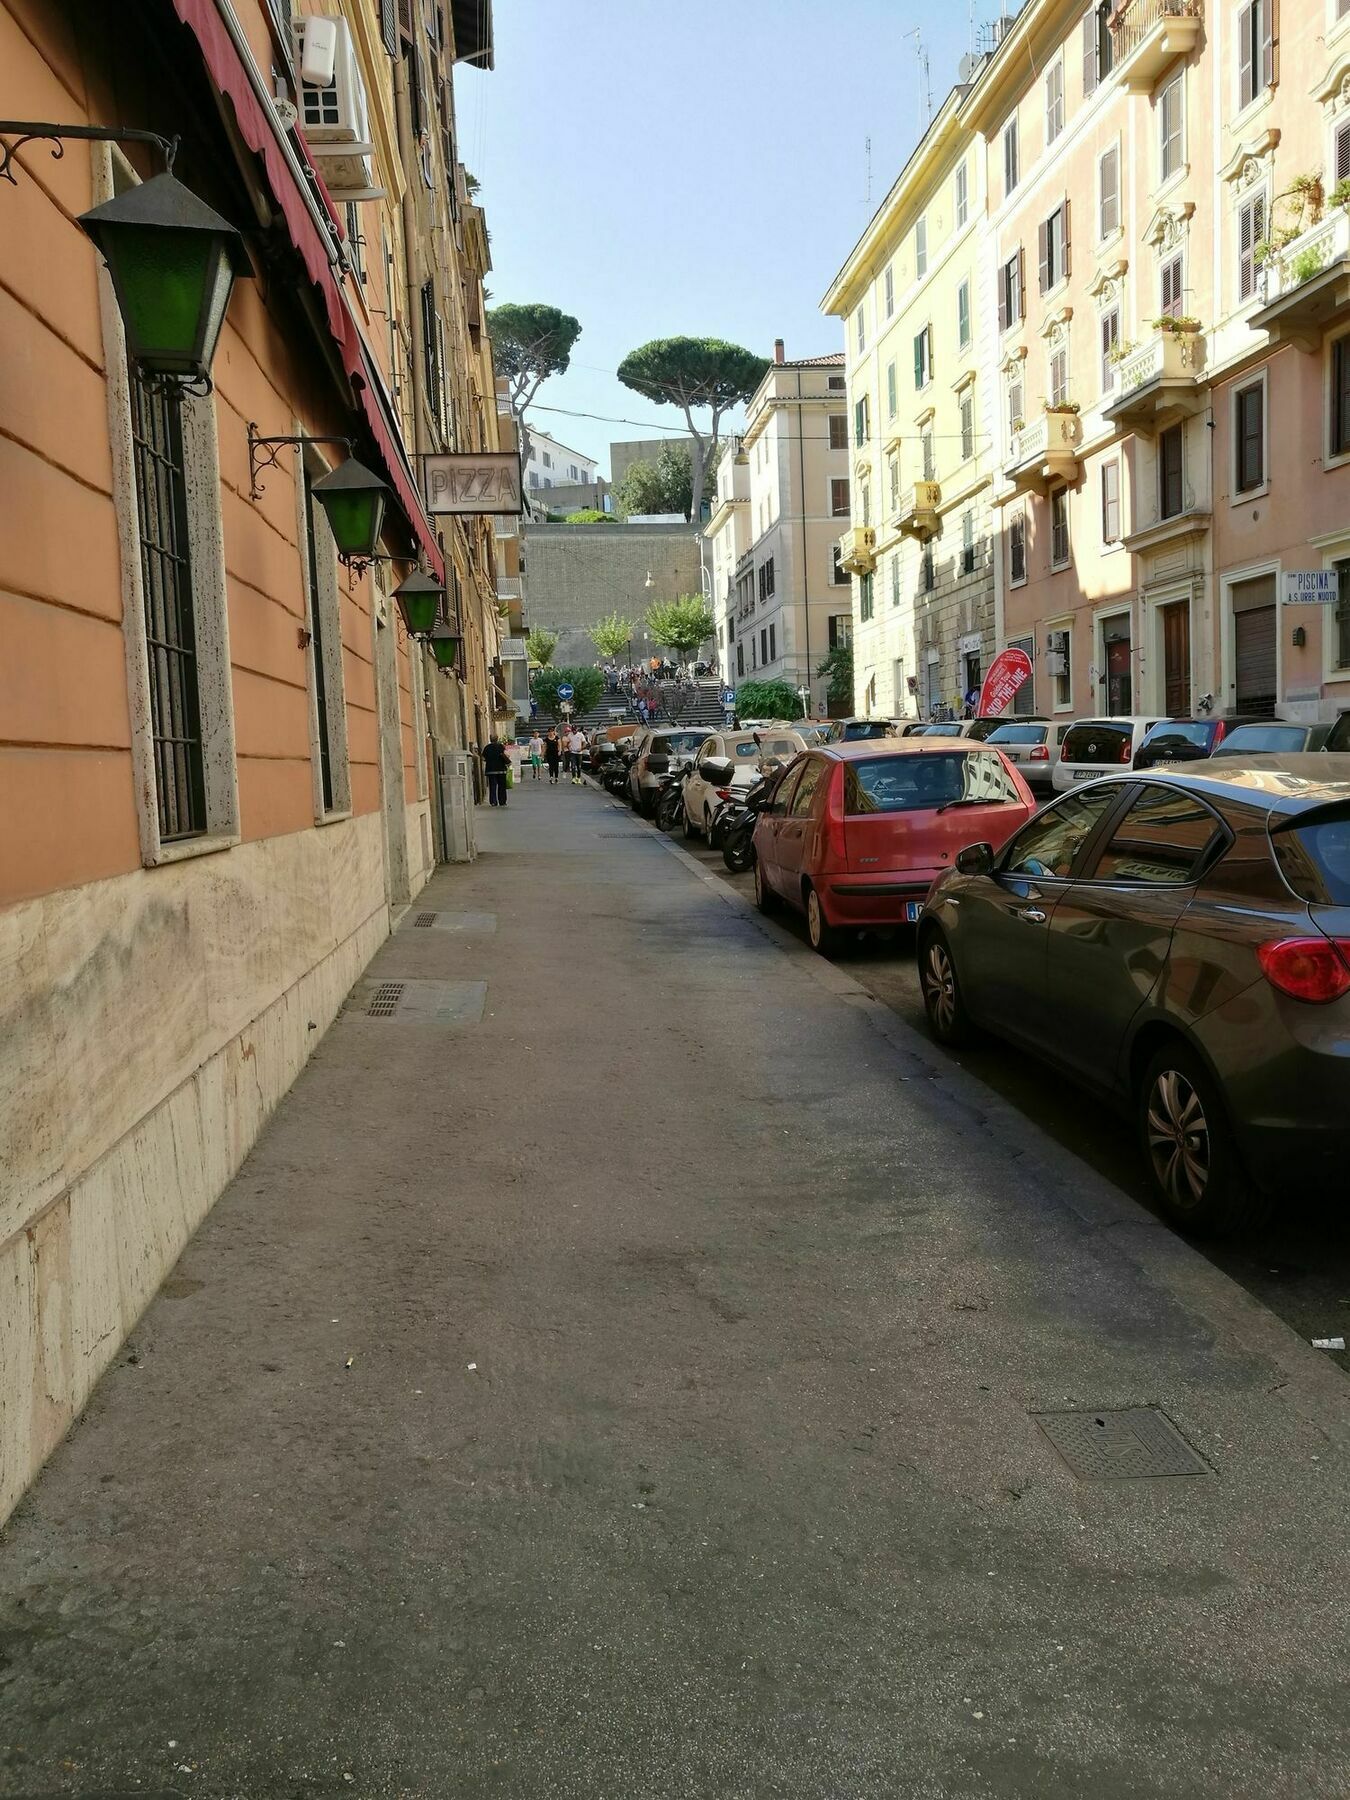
(669, 806)
(614, 774)
(738, 848)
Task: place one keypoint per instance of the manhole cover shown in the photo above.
(428, 1002)
(1133, 1443)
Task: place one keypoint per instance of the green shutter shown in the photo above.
(918, 361)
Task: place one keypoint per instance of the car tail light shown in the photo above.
(1039, 753)
(1315, 969)
(1220, 732)
(1127, 750)
(722, 793)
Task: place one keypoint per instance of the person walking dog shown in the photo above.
(494, 767)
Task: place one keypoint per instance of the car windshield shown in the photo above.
(1180, 731)
(676, 743)
(920, 783)
(983, 729)
(1253, 738)
(857, 729)
(1099, 741)
(1017, 734)
(1314, 856)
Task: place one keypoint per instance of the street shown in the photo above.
(675, 1414)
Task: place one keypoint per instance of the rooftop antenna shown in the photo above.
(924, 80)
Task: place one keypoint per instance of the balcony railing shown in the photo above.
(919, 504)
(1307, 283)
(1044, 450)
(1148, 34)
(508, 587)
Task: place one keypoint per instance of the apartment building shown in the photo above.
(219, 765)
(553, 465)
(914, 295)
(780, 595)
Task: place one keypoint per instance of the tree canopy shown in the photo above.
(767, 700)
(663, 486)
(683, 624)
(838, 665)
(589, 515)
(587, 686)
(695, 375)
(612, 634)
(530, 342)
(539, 647)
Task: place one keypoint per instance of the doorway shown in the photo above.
(1255, 656)
(1119, 668)
(1176, 648)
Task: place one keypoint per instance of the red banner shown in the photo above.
(1007, 672)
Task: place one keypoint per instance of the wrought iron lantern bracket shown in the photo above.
(264, 451)
(32, 131)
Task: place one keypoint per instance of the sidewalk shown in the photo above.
(612, 1382)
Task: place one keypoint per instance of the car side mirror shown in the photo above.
(976, 859)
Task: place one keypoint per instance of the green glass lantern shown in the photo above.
(353, 497)
(445, 647)
(419, 600)
(173, 262)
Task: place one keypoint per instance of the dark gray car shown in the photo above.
(1180, 943)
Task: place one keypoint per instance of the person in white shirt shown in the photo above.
(576, 743)
(536, 755)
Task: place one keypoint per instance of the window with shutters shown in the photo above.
(433, 353)
(1016, 409)
(1108, 192)
(921, 249)
(839, 499)
(926, 578)
(841, 575)
(865, 502)
(961, 196)
(963, 316)
(1249, 437)
(888, 288)
(895, 580)
(892, 399)
(926, 461)
(1171, 132)
(389, 25)
(860, 331)
(1251, 231)
(333, 779)
(923, 357)
(967, 423)
(1171, 472)
(1054, 247)
(1111, 501)
(1089, 35)
(839, 431)
(864, 598)
(1054, 101)
(893, 481)
(1059, 528)
(967, 543)
(1170, 287)
(356, 243)
(1059, 375)
(1340, 637)
(1011, 292)
(860, 422)
(1017, 549)
(1098, 48)
(1340, 148)
(1339, 433)
(1109, 327)
(1011, 157)
(1255, 50)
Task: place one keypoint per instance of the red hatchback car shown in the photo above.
(856, 834)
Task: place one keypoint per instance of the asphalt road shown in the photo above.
(1298, 1265)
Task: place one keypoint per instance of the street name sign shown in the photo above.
(1310, 587)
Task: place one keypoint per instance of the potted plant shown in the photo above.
(1340, 194)
(1176, 324)
(1061, 406)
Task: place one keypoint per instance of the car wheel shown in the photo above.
(738, 852)
(1189, 1150)
(690, 829)
(822, 934)
(943, 1002)
(765, 898)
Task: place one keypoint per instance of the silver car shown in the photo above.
(658, 750)
(1033, 744)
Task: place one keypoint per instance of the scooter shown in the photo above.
(670, 799)
(738, 831)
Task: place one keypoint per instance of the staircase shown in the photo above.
(697, 706)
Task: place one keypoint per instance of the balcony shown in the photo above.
(918, 514)
(858, 550)
(1159, 382)
(1044, 452)
(1149, 34)
(1307, 284)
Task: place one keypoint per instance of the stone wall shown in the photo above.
(576, 574)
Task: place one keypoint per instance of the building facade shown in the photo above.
(1166, 265)
(579, 574)
(553, 465)
(914, 295)
(780, 597)
(219, 761)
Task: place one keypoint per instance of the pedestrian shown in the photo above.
(494, 767)
(576, 743)
(536, 755)
(552, 754)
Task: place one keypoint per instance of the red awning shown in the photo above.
(227, 71)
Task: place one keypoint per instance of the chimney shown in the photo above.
(778, 350)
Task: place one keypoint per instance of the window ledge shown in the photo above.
(333, 818)
(183, 848)
(1256, 493)
(1178, 178)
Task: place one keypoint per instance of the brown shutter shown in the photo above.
(389, 25)
(1343, 153)
(1246, 70)
(1043, 249)
(1269, 42)
(1021, 284)
(1064, 218)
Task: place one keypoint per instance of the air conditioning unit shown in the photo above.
(1055, 662)
(334, 118)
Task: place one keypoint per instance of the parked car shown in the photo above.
(1180, 944)
(1092, 748)
(1034, 746)
(1339, 738)
(851, 731)
(728, 764)
(1274, 737)
(983, 728)
(855, 834)
(1186, 740)
(654, 751)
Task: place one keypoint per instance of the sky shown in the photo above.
(664, 168)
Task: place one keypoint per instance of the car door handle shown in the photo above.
(1032, 914)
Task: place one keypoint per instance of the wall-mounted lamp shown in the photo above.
(1300, 637)
(264, 451)
(445, 647)
(419, 600)
(173, 260)
(353, 497)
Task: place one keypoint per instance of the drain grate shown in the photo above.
(426, 1002)
(465, 923)
(1131, 1444)
(384, 1001)
(424, 920)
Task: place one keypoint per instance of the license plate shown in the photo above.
(1086, 774)
(912, 910)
